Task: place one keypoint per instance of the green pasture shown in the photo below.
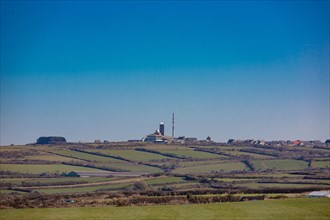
(13, 148)
(280, 180)
(257, 156)
(221, 167)
(133, 155)
(43, 168)
(132, 167)
(275, 174)
(312, 181)
(321, 164)
(228, 148)
(295, 209)
(199, 163)
(164, 180)
(193, 154)
(84, 156)
(279, 164)
(229, 180)
(322, 159)
(158, 147)
(84, 189)
(308, 149)
(52, 158)
(255, 185)
(19, 181)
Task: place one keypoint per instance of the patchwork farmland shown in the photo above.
(156, 172)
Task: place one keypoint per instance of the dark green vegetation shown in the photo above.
(125, 170)
(271, 209)
(51, 140)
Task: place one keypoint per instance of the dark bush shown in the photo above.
(51, 140)
(140, 185)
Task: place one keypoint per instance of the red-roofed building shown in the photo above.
(297, 143)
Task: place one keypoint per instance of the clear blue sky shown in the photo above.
(113, 70)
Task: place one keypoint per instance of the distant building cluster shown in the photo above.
(159, 137)
(279, 143)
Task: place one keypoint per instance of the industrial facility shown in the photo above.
(159, 135)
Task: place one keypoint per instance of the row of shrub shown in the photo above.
(249, 165)
(35, 200)
(145, 196)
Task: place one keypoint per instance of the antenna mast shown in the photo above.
(173, 125)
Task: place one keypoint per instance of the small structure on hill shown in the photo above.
(51, 140)
(158, 136)
(319, 194)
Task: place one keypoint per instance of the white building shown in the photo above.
(157, 137)
(319, 194)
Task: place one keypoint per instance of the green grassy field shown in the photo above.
(165, 147)
(287, 180)
(84, 156)
(295, 209)
(19, 181)
(164, 180)
(309, 149)
(14, 148)
(255, 185)
(51, 157)
(257, 156)
(229, 180)
(321, 164)
(199, 163)
(226, 167)
(231, 148)
(192, 154)
(280, 164)
(99, 161)
(42, 168)
(132, 167)
(84, 189)
(133, 155)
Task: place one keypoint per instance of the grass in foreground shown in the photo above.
(270, 209)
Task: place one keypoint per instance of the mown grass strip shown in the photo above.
(295, 209)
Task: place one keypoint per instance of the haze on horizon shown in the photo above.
(113, 70)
